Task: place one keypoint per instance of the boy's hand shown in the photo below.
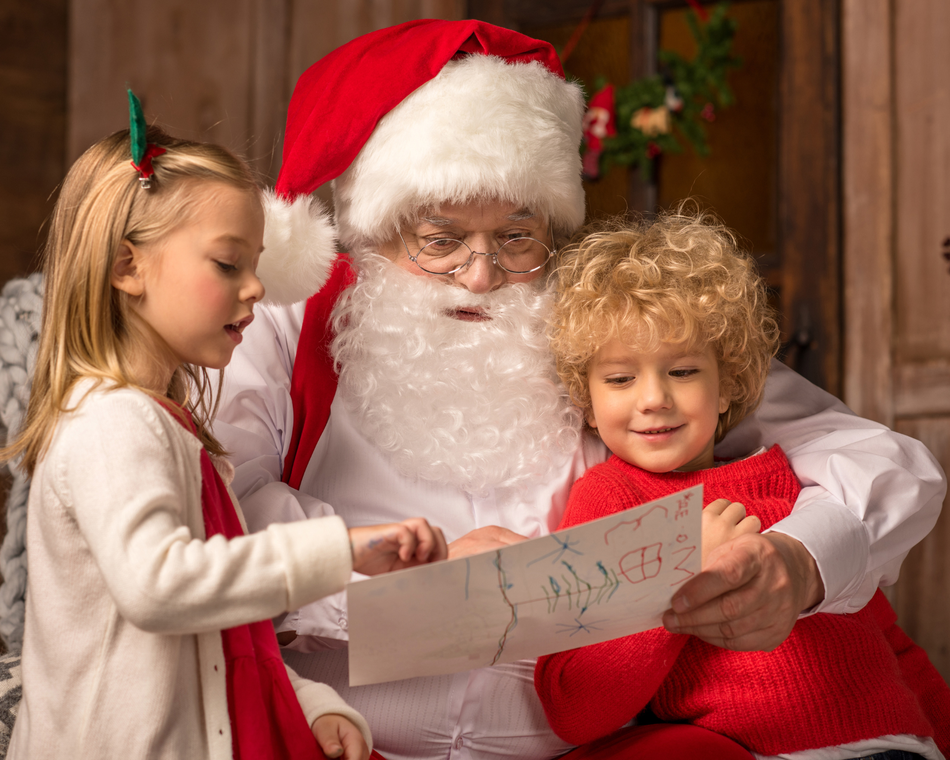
(724, 520)
(383, 548)
(338, 737)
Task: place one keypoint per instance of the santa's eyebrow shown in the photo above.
(518, 216)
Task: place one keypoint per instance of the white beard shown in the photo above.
(476, 405)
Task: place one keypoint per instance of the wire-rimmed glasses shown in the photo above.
(520, 255)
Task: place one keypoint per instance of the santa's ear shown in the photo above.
(127, 270)
(299, 248)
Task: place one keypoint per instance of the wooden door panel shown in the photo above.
(922, 592)
(191, 76)
(922, 118)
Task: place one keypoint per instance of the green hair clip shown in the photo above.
(142, 152)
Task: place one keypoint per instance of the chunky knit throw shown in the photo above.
(21, 305)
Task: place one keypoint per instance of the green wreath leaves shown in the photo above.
(653, 114)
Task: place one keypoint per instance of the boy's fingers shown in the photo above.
(751, 524)
(734, 513)
(717, 507)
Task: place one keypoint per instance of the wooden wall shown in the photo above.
(218, 70)
(32, 125)
(896, 187)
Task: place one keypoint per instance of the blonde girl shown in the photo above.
(140, 637)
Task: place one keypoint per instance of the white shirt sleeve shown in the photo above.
(868, 494)
(254, 422)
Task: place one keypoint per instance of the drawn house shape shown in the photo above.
(642, 564)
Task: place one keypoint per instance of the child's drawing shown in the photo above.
(592, 583)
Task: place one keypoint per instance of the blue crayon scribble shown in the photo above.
(556, 589)
(617, 582)
(578, 626)
(579, 581)
(563, 545)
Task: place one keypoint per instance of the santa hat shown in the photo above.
(299, 248)
(435, 111)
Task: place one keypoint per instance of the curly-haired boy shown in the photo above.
(663, 336)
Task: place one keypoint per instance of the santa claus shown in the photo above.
(419, 382)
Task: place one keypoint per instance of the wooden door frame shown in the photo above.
(809, 205)
(868, 182)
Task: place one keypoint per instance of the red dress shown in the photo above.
(267, 722)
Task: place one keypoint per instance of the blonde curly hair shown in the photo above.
(679, 278)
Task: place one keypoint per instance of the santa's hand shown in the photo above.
(485, 539)
(750, 594)
(724, 520)
(384, 548)
(339, 738)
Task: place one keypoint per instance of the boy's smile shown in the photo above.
(658, 409)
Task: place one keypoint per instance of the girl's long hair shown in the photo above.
(87, 328)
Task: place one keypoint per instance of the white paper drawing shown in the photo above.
(587, 584)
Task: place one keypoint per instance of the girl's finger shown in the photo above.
(407, 542)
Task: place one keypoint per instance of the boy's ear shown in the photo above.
(591, 420)
(725, 399)
(127, 270)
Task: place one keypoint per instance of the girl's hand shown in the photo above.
(383, 548)
(723, 521)
(338, 737)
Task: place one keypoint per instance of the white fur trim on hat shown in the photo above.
(481, 129)
(299, 248)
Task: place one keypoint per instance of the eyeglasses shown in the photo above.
(520, 255)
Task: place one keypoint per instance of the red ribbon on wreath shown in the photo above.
(599, 123)
(700, 11)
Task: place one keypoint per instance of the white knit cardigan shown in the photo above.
(122, 653)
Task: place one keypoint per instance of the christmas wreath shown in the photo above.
(631, 125)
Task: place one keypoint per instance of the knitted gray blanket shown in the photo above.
(21, 304)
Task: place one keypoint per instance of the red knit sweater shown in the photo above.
(836, 679)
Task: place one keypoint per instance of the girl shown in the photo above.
(140, 638)
(663, 336)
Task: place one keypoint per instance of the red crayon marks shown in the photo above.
(688, 551)
(642, 564)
